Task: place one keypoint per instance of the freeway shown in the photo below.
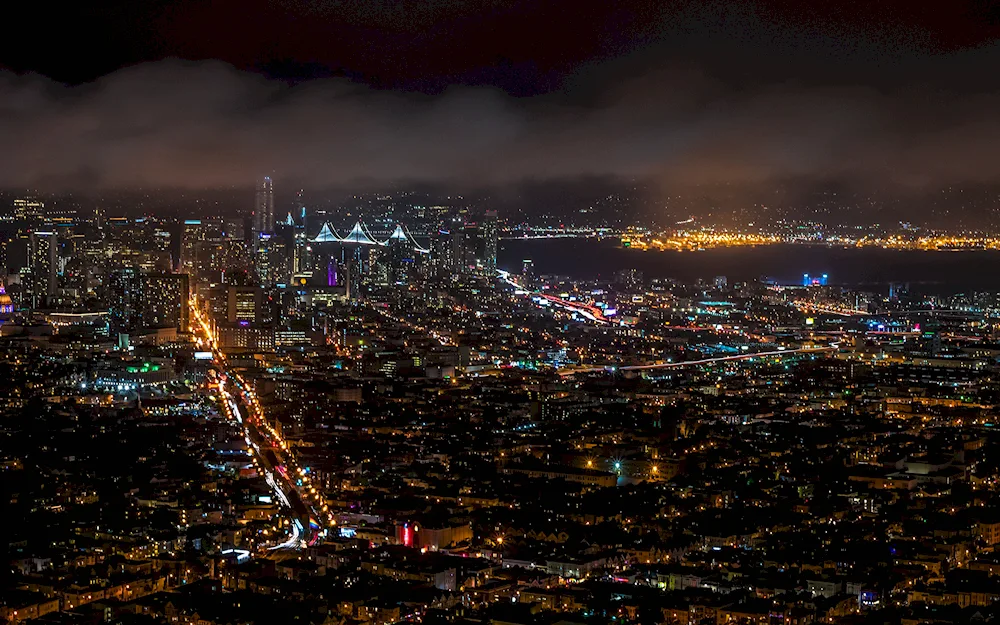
(586, 311)
(567, 371)
(300, 500)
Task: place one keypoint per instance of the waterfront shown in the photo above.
(941, 272)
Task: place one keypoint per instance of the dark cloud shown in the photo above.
(679, 121)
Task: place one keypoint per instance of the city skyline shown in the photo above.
(500, 312)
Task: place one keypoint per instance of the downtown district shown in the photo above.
(281, 417)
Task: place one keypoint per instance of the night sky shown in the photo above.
(211, 94)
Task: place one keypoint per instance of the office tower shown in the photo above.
(244, 304)
(165, 301)
(299, 212)
(123, 294)
(397, 258)
(262, 258)
(42, 267)
(263, 209)
(302, 251)
(192, 232)
(447, 253)
(721, 282)
(232, 228)
(272, 260)
(476, 249)
(491, 238)
(243, 337)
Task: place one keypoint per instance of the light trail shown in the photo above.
(703, 361)
(585, 310)
(563, 235)
(254, 426)
(294, 540)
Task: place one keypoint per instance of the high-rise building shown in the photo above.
(397, 258)
(447, 253)
(300, 209)
(263, 208)
(192, 231)
(244, 304)
(491, 240)
(124, 298)
(302, 251)
(238, 336)
(42, 267)
(477, 249)
(273, 259)
(165, 301)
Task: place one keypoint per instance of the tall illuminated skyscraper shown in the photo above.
(43, 268)
(124, 299)
(490, 235)
(165, 301)
(263, 208)
(300, 208)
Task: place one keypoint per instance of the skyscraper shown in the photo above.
(447, 252)
(300, 208)
(165, 301)
(272, 258)
(479, 245)
(244, 304)
(490, 241)
(42, 265)
(263, 209)
(124, 299)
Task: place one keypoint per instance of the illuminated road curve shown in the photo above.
(585, 310)
(704, 361)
